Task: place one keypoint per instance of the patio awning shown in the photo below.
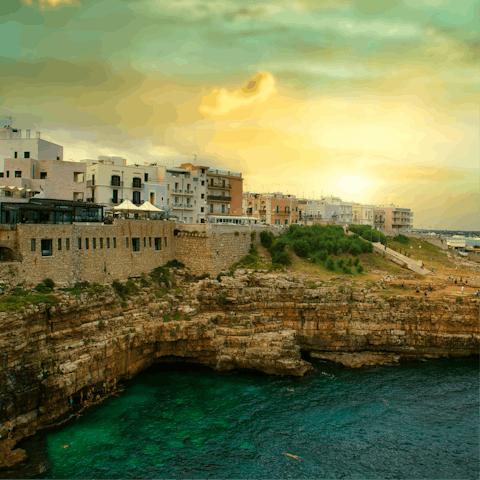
(148, 207)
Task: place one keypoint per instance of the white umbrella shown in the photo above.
(126, 206)
(148, 207)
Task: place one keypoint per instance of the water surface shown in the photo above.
(411, 420)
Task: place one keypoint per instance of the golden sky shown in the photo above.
(373, 101)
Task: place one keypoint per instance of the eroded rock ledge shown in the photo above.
(256, 321)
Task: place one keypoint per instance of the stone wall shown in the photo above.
(107, 257)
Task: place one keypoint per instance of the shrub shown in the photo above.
(401, 239)
(42, 288)
(166, 318)
(236, 234)
(199, 297)
(266, 239)
(330, 264)
(322, 255)
(340, 263)
(48, 282)
(347, 270)
(174, 264)
(281, 258)
(301, 248)
(359, 268)
(459, 300)
(356, 261)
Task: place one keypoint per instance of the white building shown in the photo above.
(187, 194)
(14, 144)
(327, 209)
(110, 181)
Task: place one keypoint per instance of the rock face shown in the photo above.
(255, 321)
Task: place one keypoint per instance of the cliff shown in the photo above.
(256, 321)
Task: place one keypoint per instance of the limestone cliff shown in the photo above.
(254, 321)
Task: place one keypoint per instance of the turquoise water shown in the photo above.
(410, 420)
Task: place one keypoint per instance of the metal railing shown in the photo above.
(90, 183)
(219, 198)
(116, 183)
(136, 184)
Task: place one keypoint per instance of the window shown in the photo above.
(115, 180)
(67, 244)
(223, 208)
(211, 208)
(145, 176)
(137, 182)
(136, 244)
(101, 243)
(150, 241)
(79, 243)
(277, 208)
(108, 242)
(277, 221)
(1, 174)
(16, 155)
(115, 196)
(32, 244)
(8, 173)
(114, 242)
(26, 154)
(203, 183)
(144, 242)
(86, 243)
(18, 174)
(58, 158)
(136, 198)
(158, 243)
(126, 242)
(59, 244)
(46, 247)
(202, 209)
(165, 241)
(202, 196)
(43, 175)
(94, 243)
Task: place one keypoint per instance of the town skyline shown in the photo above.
(372, 103)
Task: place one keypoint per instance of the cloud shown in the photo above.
(221, 102)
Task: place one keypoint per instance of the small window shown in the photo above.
(16, 155)
(79, 243)
(86, 244)
(203, 183)
(203, 195)
(94, 243)
(165, 241)
(26, 154)
(58, 158)
(114, 242)
(1, 174)
(101, 243)
(59, 244)
(18, 174)
(46, 247)
(202, 209)
(32, 244)
(150, 241)
(108, 242)
(43, 175)
(145, 175)
(158, 243)
(126, 242)
(136, 244)
(8, 173)
(67, 244)
(144, 242)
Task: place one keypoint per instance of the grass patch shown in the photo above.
(19, 299)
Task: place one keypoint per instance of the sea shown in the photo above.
(412, 419)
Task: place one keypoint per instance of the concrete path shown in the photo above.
(413, 265)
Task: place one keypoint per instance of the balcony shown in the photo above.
(176, 190)
(136, 184)
(219, 198)
(188, 192)
(226, 187)
(116, 201)
(90, 183)
(90, 200)
(116, 183)
(283, 213)
(262, 212)
(189, 206)
(177, 205)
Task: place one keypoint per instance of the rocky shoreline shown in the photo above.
(252, 320)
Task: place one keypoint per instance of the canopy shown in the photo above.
(126, 206)
(148, 207)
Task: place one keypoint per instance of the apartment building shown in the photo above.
(224, 192)
(329, 210)
(110, 181)
(52, 178)
(396, 218)
(187, 192)
(272, 208)
(16, 144)
(362, 214)
(379, 218)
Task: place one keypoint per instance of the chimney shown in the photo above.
(27, 134)
(38, 134)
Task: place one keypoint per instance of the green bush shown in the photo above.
(402, 239)
(266, 239)
(42, 288)
(340, 263)
(330, 264)
(48, 282)
(236, 234)
(174, 264)
(356, 261)
(459, 300)
(166, 318)
(359, 268)
(301, 247)
(281, 258)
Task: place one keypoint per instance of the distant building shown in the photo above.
(272, 208)
(329, 210)
(396, 218)
(379, 218)
(224, 192)
(362, 214)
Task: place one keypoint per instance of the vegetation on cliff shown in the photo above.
(368, 233)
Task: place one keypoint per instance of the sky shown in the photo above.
(373, 101)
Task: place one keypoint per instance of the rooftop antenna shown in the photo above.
(9, 124)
